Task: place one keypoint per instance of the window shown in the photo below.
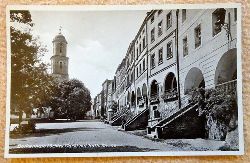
(160, 28)
(169, 19)
(137, 53)
(60, 64)
(133, 75)
(153, 35)
(235, 14)
(61, 46)
(144, 42)
(137, 72)
(152, 19)
(197, 35)
(159, 12)
(185, 47)
(218, 20)
(140, 48)
(169, 50)
(152, 61)
(160, 53)
(143, 65)
(140, 68)
(184, 15)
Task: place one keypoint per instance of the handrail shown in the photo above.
(231, 81)
(135, 116)
(160, 123)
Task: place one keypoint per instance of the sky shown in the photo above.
(97, 40)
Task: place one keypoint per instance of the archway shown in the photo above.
(128, 97)
(133, 98)
(170, 87)
(226, 69)
(194, 79)
(144, 93)
(170, 82)
(138, 93)
(154, 88)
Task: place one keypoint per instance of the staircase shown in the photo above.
(184, 123)
(139, 121)
(117, 119)
(173, 116)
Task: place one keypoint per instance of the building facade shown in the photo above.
(173, 53)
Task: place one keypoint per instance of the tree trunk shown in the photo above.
(20, 118)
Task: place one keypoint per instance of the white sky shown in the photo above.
(97, 40)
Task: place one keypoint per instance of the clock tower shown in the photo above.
(59, 59)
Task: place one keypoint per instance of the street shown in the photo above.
(94, 132)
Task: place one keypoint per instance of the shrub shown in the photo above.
(25, 128)
(219, 108)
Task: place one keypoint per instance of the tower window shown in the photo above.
(60, 64)
(61, 46)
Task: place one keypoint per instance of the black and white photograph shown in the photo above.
(97, 81)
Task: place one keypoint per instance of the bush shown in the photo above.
(212, 102)
(25, 128)
(219, 108)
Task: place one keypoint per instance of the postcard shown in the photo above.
(106, 81)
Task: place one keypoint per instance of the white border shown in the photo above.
(127, 7)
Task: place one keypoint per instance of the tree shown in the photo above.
(72, 100)
(30, 82)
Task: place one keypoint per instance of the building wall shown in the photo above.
(203, 59)
(207, 56)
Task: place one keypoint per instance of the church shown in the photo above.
(59, 59)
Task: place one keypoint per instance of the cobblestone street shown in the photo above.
(94, 132)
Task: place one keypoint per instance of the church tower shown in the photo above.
(59, 60)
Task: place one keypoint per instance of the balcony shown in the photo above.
(170, 95)
(154, 98)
